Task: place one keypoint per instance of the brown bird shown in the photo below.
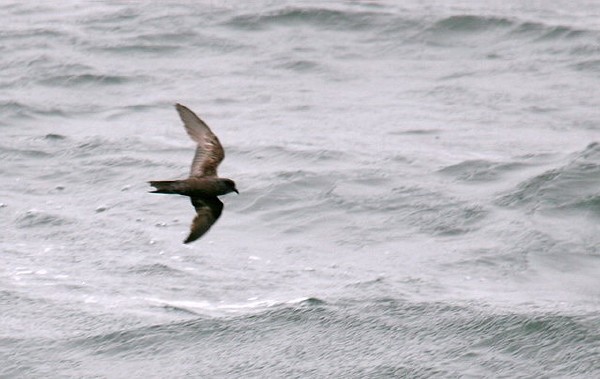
(203, 186)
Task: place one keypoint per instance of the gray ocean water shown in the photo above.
(419, 189)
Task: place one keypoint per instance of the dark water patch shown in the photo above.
(128, 110)
(590, 204)
(300, 66)
(452, 219)
(70, 68)
(189, 38)
(553, 33)
(36, 218)
(177, 309)
(225, 100)
(7, 35)
(470, 24)
(299, 108)
(528, 191)
(44, 68)
(15, 109)
(538, 158)
(312, 301)
(88, 80)
(587, 49)
(137, 48)
(479, 170)
(322, 18)
(17, 154)
(168, 36)
(416, 132)
(592, 65)
(458, 75)
(118, 16)
(566, 187)
(55, 137)
(461, 29)
(395, 26)
(155, 269)
(541, 109)
(543, 338)
(542, 32)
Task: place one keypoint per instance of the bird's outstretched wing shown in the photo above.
(209, 152)
(208, 210)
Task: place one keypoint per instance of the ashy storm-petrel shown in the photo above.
(203, 186)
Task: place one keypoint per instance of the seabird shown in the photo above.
(203, 186)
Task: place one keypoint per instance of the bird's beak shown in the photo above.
(236, 191)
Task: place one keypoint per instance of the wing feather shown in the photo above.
(209, 152)
(208, 211)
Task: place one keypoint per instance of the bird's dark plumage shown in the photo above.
(203, 186)
(208, 210)
(209, 152)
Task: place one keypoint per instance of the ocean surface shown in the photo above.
(419, 189)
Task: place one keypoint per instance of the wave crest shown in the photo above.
(574, 186)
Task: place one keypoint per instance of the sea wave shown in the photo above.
(34, 218)
(572, 187)
(88, 80)
(374, 337)
(223, 309)
(383, 23)
(480, 170)
(16, 110)
(320, 17)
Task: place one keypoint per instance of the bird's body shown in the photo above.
(203, 186)
(193, 186)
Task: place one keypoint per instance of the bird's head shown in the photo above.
(229, 186)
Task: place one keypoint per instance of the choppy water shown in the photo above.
(420, 189)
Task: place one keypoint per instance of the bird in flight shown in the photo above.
(203, 186)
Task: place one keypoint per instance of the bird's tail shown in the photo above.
(166, 186)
